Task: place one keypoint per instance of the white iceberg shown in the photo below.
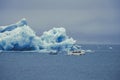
(20, 37)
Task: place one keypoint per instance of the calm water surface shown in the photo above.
(103, 64)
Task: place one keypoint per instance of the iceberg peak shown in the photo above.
(22, 22)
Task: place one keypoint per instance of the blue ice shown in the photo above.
(20, 37)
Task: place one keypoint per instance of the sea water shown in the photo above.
(101, 64)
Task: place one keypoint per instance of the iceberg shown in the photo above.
(20, 37)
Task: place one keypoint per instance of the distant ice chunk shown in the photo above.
(89, 51)
(20, 37)
(110, 48)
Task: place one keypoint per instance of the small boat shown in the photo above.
(80, 52)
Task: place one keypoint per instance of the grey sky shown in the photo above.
(88, 21)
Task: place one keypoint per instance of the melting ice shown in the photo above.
(20, 37)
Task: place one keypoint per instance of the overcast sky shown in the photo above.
(87, 21)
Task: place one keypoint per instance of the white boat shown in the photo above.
(80, 52)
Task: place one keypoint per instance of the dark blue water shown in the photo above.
(103, 64)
